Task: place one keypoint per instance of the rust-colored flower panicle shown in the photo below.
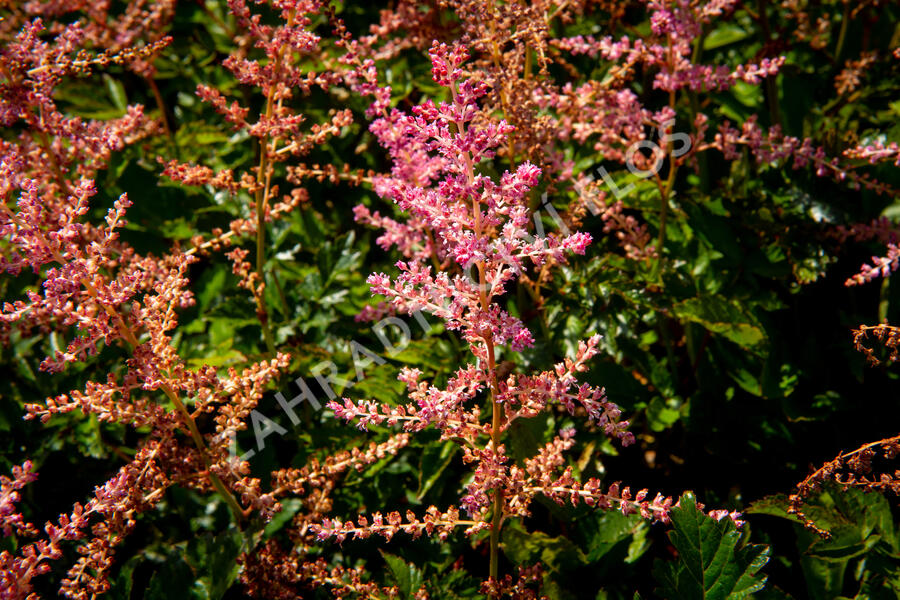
(575, 227)
(91, 291)
(849, 469)
(887, 335)
(272, 189)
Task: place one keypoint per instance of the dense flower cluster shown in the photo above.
(278, 76)
(477, 233)
(478, 162)
(97, 292)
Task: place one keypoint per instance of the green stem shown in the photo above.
(665, 192)
(230, 500)
(261, 310)
(842, 36)
(771, 87)
(670, 181)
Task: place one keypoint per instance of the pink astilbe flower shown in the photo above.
(91, 289)
(880, 228)
(849, 79)
(51, 143)
(129, 35)
(876, 152)
(615, 115)
(525, 587)
(541, 476)
(674, 28)
(10, 519)
(881, 267)
(271, 572)
(633, 235)
(615, 118)
(410, 240)
(434, 522)
(480, 247)
(475, 221)
(529, 395)
(75, 292)
(116, 502)
(274, 574)
(279, 76)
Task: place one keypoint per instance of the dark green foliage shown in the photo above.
(713, 562)
(732, 356)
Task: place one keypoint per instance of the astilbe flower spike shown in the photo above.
(271, 61)
(849, 469)
(10, 519)
(135, 309)
(92, 290)
(513, 44)
(272, 572)
(477, 232)
(875, 152)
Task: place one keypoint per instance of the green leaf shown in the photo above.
(289, 508)
(122, 582)
(613, 529)
(639, 542)
(211, 286)
(174, 581)
(407, 576)
(116, 92)
(89, 438)
(525, 548)
(222, 567)
(214, 561)
(775, 506)
(851, 516)
(660, 416)
(723, 35)
(527, 436)
(721, 316)
(861, 527)
(435, 459)
(711, 564)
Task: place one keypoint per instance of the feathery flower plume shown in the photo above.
(476, 229)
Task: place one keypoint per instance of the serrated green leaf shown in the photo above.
(711, 563)
(407, 576)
